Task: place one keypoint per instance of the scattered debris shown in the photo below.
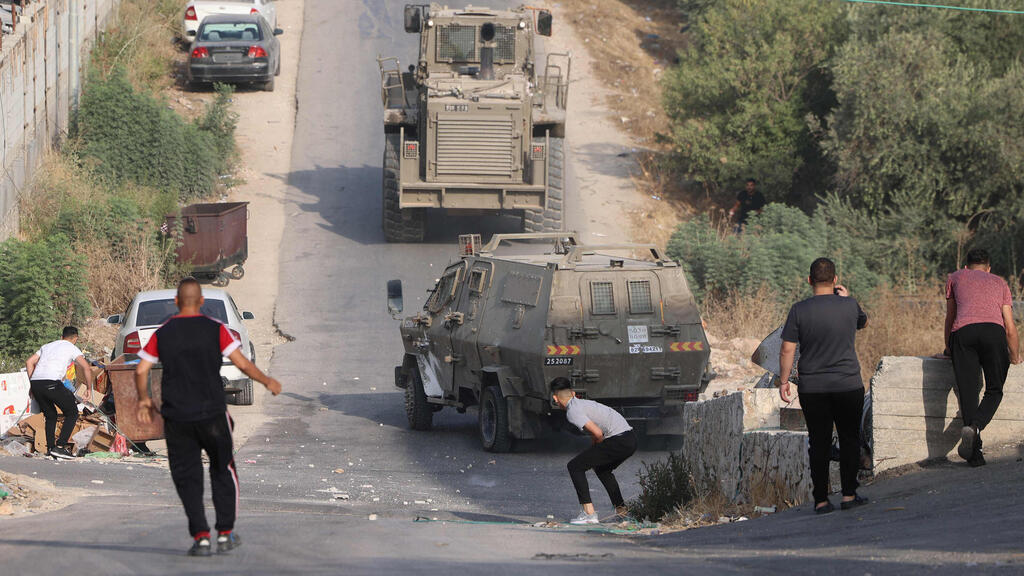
(371, 517)
(766, 509)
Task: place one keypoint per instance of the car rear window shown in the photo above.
(230, 32)
(156, 312)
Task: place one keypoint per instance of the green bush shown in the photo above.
(665, 486)
(776, 250)
(43, 289)
(132, 136)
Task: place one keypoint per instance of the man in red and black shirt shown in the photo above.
(190, 346)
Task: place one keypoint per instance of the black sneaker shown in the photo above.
(826, 509)
(228, 541)
(61, 453)
(966, 448)
(201, 547)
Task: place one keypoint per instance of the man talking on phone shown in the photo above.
(830, 387)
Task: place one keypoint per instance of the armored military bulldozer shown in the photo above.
(503, 321)
(473, 126)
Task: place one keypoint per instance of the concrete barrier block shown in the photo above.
(915, 411)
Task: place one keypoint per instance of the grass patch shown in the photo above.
(90, 225)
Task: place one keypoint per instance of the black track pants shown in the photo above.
(822, 410)
(185, 443)
(603, 457)
(50, 395)
(978, 348)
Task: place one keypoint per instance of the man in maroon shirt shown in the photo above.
(190, 347)
(981, 337)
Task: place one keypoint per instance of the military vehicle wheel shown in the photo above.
(550, 219)
(399, 225)
(494, 434)
(417, 409)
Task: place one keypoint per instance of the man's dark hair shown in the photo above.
(823, 271)
(189, 292)
(68, 332)
(977, 256)
(751, 181)
(559, 384)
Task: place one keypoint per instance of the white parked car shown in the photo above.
(196, 10)
(149, 310)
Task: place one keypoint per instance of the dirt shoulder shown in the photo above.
(266, 125)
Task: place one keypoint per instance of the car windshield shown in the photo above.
(230, 32)
(156, 312)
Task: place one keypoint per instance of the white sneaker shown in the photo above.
(584, 518)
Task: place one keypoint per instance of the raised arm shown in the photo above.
(252, 371)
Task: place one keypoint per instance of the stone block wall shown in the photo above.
(916, 413)
(732, 443)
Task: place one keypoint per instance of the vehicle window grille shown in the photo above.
(602, 298)
(442, 293)
(476, 280)
(456, 43)
(505, 38)
(640, 297)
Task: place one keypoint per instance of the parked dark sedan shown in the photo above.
(235, 48)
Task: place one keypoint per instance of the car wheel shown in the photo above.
(417, 409)
(494, 434)
(252, 353)
(277, 71)
(268, 86)
(241, 398)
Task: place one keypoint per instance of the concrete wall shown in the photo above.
(916, 412)
(41, 69)
(733, 444)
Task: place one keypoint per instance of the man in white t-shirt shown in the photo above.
(46, 370)
(614, 442)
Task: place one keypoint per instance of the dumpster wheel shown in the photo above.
(237, 272)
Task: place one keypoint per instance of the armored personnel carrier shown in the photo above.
(473, 125)
(501, 324)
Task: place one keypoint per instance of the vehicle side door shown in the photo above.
(436, 360)
(466, 330)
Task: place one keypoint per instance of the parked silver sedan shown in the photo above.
(150, 309)
(235, 48)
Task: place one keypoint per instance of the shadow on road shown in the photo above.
(348, 199)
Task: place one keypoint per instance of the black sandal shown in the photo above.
(857, 501)
(827, 508)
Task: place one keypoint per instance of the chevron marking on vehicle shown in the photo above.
(686, 347)
(571, 350)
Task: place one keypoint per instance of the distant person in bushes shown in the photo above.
(980, 336)
(46, 370)
(831, 389)
(748, 200)
(190, 347)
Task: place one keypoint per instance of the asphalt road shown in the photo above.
(341, 411)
